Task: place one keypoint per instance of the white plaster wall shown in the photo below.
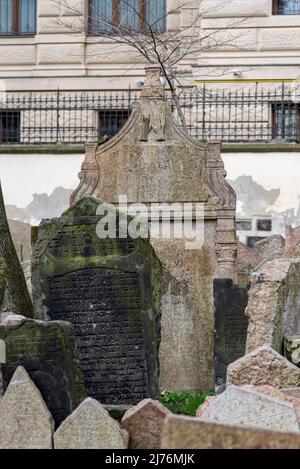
(23, 175)
(272, 171)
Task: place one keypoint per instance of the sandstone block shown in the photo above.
(263, 366)
(191, 433)
(90, 427)
(241, 406)
(26, 423)
(144, 423)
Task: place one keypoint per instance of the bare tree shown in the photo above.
(15, 295)
(149, 37)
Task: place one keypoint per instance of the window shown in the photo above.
(286, 121)
(17, 17)
(286, 7)
(131, 14)
(111, 121)
(10, 124)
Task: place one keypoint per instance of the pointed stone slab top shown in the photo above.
(26, 423)
(263, 366)
(191, 433)
(240, 406)
(90, 427)
(144, 423)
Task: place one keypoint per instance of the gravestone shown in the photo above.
(110, 290)
(47, 351)
(144, 424)
(230, 325)
(272, 247)
(239, 406)
(273, 308)
(263, 366)
(26, 423)
(153, 162)
(191, 433)
(90, 427)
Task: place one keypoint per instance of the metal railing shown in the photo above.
(236, 115)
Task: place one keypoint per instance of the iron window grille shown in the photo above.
(286, 121)
(111, 121)
(10, 126)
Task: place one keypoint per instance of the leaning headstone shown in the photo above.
(26, 422)
(47, 350)
(109, 289)
(90, 427)
(230, 325)
(144, 424)
(274, 303)
(239, 406)
(263, 366)
(272, 247)
(292, 236)
(191, 433)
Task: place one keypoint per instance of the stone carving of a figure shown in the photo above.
(153, 121)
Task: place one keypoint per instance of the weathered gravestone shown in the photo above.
(26, 422)
(273, 308)
(263, 366)
(90, 427)
(190, 433)
(153, 162)
(240, 406)
(230, 325)
(110, 290)
(47, 351)
(145, 423)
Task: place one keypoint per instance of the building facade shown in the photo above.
(46, 44)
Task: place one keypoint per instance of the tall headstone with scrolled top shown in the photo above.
(109, 289)
(153, 161)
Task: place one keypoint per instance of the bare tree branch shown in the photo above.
(150, 39)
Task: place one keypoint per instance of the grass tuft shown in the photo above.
(185, 403)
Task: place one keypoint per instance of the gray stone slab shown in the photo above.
(240, 406)
(26, 422)
(191, 433)
(90, 427)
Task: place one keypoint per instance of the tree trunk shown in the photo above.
(16, 298)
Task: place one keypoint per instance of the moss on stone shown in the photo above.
(46, 349)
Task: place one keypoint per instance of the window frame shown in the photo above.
(10, 135)
(16, 21)
(276, 12)
(116, 18)
(285, 107)
(104, 115)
